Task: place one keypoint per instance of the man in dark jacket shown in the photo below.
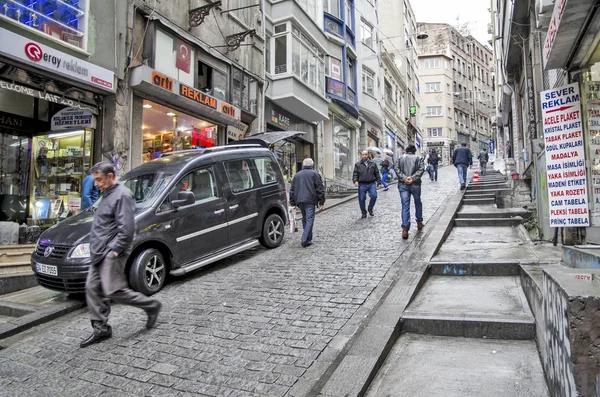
(433, 161)
(366, 178)
(307, 191)
(462, 159)
(111, 239)
(483, 160)
(410, 170)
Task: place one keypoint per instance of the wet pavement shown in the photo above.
(251, 325)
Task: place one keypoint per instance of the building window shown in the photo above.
(433, 87)
(366, 34)
(332, 7)
(368, 81)
(308, 62)
(212, 81)
(62, 20)
(434, 132)
(431, 63)
(434, 111)
(350, 73)
(348, 13)
(388, 93)
(268, 54)
(280, 54)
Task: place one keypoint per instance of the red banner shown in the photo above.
(184, 56)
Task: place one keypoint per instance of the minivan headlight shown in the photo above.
(81, 251)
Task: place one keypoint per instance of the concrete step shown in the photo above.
(17, 281)
(478, 201)
(490, 212)
(495, 191)
(582, 257)
(471, 195)
(434, 366)
(16, 253)
(512, 221)
(15, 267)
(471, 306)
(474, 269)
(486, 186)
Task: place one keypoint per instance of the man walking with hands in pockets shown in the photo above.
(410, 170)
(307, 191)
(366, 178)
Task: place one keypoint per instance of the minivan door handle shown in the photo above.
(217, 212)
(234, 207)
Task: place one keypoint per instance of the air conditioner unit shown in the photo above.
(544, 6)
(542, 21)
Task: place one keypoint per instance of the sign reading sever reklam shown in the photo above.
(565, 157)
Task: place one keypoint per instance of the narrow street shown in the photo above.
(249, 326)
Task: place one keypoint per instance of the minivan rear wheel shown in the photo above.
(273, 231)
(148, 272)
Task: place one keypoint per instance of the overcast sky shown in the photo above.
(472, 12)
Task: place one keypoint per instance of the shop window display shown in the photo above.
(14, 177)
(63, 20)
(60, 162)
(168, 130)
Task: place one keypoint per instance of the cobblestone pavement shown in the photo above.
(249, 326)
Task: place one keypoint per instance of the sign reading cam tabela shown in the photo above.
(207, 100)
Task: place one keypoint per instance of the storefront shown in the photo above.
(167, 130)
(48, 122)
(345, 149)
(290, 152)
(187, 97)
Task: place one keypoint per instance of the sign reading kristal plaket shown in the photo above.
(565, 157)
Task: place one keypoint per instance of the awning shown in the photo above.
(266, 139)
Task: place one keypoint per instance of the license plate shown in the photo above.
(46, 269)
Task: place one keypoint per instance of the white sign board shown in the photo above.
(565, 157)
(42, 56)
(72, 118)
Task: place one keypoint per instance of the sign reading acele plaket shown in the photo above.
(47, 58)
(565, 157)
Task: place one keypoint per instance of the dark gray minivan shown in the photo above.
(192, 208)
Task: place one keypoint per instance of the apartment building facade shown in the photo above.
(457, 101)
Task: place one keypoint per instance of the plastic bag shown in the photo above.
(292, 218)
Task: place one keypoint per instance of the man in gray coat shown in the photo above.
(307, 191)
(111, 239)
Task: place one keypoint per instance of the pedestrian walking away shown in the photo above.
(433, 161)
(462, 159)
(111, 239)
(483, 160)
(366, 178)
(307, 192)
(386, 165)
(410, 171)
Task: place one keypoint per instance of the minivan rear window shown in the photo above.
(267, 170)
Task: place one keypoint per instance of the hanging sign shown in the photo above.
(565, 157)
(72, 118)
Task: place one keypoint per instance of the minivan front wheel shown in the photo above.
(148, 272)
(273, 231)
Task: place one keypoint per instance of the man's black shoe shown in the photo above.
(462, 187)
(152, 317)
(371, 213)
(96, 338)
(307, 244)
(364, 215)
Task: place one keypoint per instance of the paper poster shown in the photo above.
(565, 157)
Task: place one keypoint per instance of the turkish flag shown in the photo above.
(184, 56)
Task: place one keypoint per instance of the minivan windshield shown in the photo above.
(146, 188)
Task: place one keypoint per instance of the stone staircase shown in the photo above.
(15, 268)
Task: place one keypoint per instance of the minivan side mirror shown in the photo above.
(183, 198)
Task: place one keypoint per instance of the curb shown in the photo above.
(23, 323)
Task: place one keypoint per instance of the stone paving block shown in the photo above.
(281, 306)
